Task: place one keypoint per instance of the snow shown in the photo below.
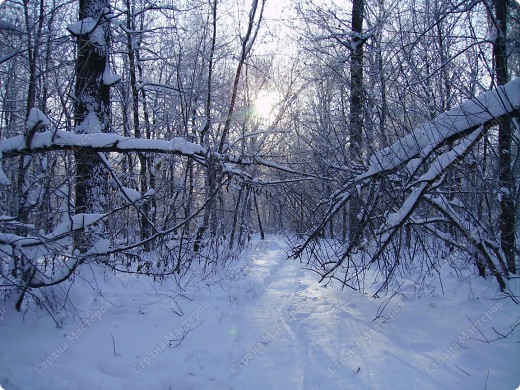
(36, 118)
(74, 222)
(91, 137)
(33, 247)
(393, 220)
(429, 135)
(89, 125)
(110, 78)
(91, 28)
(442, 161)
(150, 192)
(130, 194)
(268, 325)
(101, 246)
(83, 27)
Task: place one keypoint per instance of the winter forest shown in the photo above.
(246, 194)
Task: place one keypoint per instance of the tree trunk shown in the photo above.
(356, 109)
(145, 225)
(506, 177)
(91, 115)
(25, 162)
(33, 46)
(258, 217)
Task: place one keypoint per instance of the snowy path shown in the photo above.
(275, 328)
(295, 333)
(267, 340)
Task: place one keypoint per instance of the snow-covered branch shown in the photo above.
(420, 161)
(98, 142)
(484, 110)
(102, 142)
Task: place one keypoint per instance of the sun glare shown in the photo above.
(264, 105)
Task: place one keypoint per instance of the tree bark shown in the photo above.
(356, 108)
(145, 225)
(91, 115)
(506, 177)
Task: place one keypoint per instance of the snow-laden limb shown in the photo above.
(94, 141)
(228, 168)
(83, 27)
(36, 118)
(396, 219)
(100, 142)
(409, 173)
(437, 167)
(450, 125)
(73, 223)
(279, 167)
(90, 28)
(70, 224)
(443, 161)
(34, 248)
(130, 194)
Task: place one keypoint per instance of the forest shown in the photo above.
(161, 138)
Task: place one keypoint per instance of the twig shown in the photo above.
(483, 335)
(462, 370)
(382, 307)
(200, 365)
(176, 342)
(503, 336)
(114, 346)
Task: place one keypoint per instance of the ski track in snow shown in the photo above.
(318, 329)
(275, 328)
(269, 323)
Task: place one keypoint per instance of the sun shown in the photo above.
(264, 105)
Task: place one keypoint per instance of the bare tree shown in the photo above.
(357, 94)
(91, 111)
(505, 138)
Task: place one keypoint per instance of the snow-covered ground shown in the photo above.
(269, 327)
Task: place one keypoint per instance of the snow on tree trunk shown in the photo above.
(91, 111)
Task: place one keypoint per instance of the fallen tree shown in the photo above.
(403, 183)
